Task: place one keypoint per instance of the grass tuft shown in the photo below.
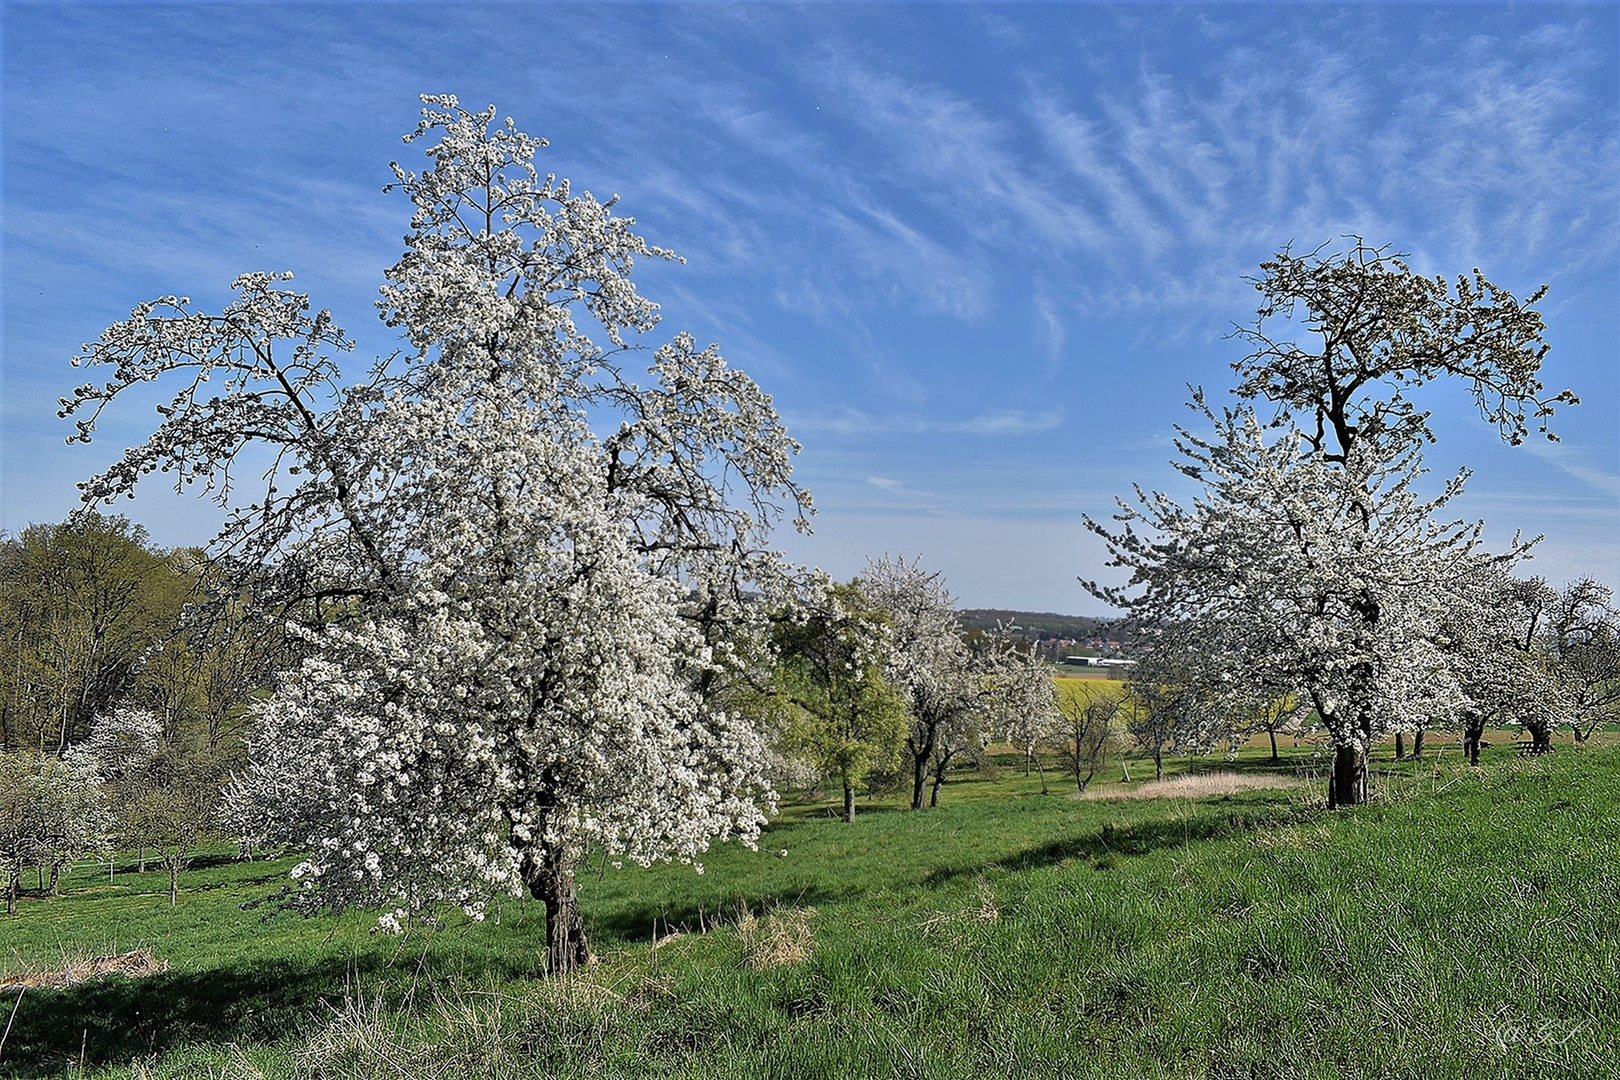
(780, 938)
(75, 968)
(361, 1039)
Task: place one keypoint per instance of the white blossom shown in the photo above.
(1291, 577)
(948, 692)
(518, 630)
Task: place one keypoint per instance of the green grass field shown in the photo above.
(1467, 924)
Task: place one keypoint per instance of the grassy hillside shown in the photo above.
(1467, 924)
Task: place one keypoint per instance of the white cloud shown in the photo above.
(1049, 334)
(854, 422)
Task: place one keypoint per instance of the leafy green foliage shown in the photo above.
(835, 707)
(81, 602)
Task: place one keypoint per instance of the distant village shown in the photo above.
(1064, 640)
(1091, 652)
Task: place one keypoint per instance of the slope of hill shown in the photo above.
(1033, 625)
(1461, 926)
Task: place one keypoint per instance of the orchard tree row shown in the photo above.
(140, 745)
(123, 787)
(871, 682)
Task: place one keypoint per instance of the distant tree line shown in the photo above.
(126, 672)
(1032, 625)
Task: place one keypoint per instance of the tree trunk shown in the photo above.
(1417, 744)
(939, 777)
(1158, 763)
(174, 881)
(11, 888)
(56, 879)
(1124, 769)
(142, 868)
(1273, 735)
(1540, 739)
(1473, 735)
(551, 881)
(919, 776)
(1348, 784)
(1400, 747)
(849, 803)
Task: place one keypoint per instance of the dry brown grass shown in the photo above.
(953, 923)
(989, 909)
(71, 970)
(1315, 837)
(776, 939)
(1199, 786)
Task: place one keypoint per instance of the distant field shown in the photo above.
(1083, 688)
(1464, 925)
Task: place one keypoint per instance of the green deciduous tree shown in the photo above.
(84, 601)
(833, 703)
(174, 807)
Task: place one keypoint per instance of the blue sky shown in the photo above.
(974, 251)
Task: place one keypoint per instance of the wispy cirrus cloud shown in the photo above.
(999, 422)
(1576, 464)
(974, 253)
(1174, 182)
(1488, 157)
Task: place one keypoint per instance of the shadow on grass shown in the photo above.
(127, 865)
(114, 1020)
(256, 879)
(1231, 815)
(646, 923)
(829, 811)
